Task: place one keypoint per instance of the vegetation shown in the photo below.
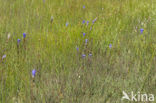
(76, 51)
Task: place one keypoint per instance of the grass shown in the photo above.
(63, 76)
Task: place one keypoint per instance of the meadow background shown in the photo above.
(116, 56)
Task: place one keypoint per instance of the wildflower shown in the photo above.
(83, 21)
(94, 20)
(24, 35)
(83, 55)
(86, 40)
(84, 7)
(84, 34)
(77, 49)
(67, 24)
(141, 31)
(110, 45)
(90, 54)
(33, 73)
(18, 41)
(87, 23)
(3, 57)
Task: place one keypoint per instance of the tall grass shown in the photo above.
(50, 47)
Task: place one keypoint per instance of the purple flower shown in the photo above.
(84, 7)
(77, 49)
(67, 24)
(87, 22)
(90, 54)
(33, 73)
(110, 45)
(83, 55)
(86, 40)
(3, 57)
(141, 31)
(18, 41)
(83, 21)
(84, 34)
(94, 20)
(24, 35)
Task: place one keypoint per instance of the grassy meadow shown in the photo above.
(82, 51)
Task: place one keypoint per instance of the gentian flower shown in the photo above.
(77, 49)
(87, 22)
(3, 57)
(90, 54)
(94, 20)
(83, 55)
(83, 21)
(24, 35)
(110, 45)
(18, 41)
(141, 31)
(67, 24)
(84, 34)
(33, 73)
(84, 7)
(86, 40)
